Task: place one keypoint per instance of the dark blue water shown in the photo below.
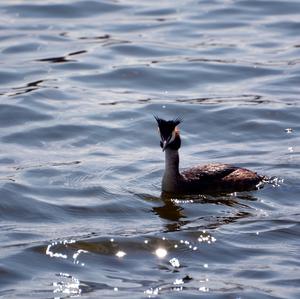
(80, 163)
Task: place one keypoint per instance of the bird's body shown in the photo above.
(215, 177)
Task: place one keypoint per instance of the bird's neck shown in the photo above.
(171, 175)
(171, 161)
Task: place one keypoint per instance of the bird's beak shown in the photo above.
(165, 144)
(170, 139)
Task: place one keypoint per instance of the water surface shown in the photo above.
(80, 162)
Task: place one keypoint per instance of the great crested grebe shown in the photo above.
(214, 177)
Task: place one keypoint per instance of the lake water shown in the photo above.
(80, 164)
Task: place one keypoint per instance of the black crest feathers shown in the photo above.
(168, 123)
(166, 127)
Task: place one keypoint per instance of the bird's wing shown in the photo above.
(209, 172)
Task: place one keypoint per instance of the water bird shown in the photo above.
(210, 178)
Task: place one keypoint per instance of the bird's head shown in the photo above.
(169, 133)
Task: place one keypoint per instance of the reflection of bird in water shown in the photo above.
(208, 178)
(171, 212)
(176, 217)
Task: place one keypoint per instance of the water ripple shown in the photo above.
(81, 208)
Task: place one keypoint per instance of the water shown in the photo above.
(80, 162)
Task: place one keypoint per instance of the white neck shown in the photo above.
(171, 175)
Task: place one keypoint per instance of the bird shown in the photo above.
(210, 178)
